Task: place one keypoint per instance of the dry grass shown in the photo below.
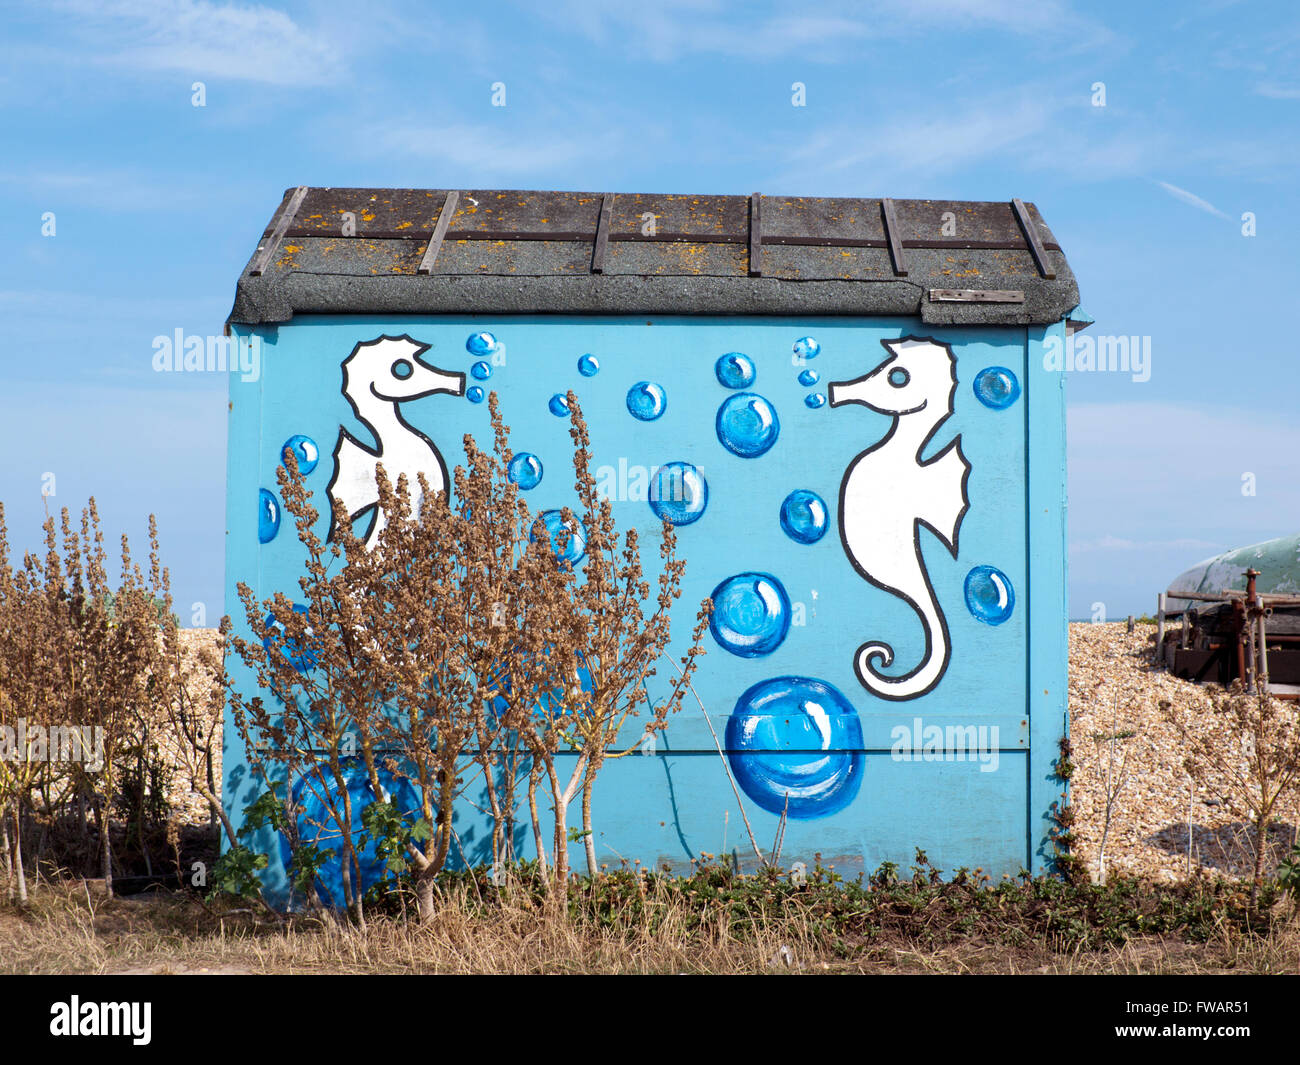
(65, 930)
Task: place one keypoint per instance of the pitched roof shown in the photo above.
(430, 251)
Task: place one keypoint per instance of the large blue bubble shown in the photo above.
(804, 516)
(795, 743)
(525, 470)
(989, 595)
(588, 365)
(646, 401)
(735, 370)
(481, 344)
(576, 545)
(679, 492)
(268, 516)
(303, 659)
(304, 450)
(317, 827)
(807, 348)
(747, 425)
(751, 614)
(996, 387)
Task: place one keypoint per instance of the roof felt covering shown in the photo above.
(367, 251)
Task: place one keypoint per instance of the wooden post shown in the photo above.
(1263, 646)
(1160, 625)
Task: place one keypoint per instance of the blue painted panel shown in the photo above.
(994, 667)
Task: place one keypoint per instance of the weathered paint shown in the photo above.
(988, 810)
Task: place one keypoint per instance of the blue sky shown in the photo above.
(159, 203)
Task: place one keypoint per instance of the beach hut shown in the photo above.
(862, 402)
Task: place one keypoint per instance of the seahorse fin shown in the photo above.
(944, 503)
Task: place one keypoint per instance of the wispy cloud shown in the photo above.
(1191, 199)
(1278, 92)
(1119, 543)
(478, 151)
(244, 42)
(674, 29)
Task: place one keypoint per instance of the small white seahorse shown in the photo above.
(378, 376)
(889, 492)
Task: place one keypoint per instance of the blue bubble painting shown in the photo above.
(804, 516)
(646, 401)
(747, 425)
(735, 370)
(568, 541)
(525, 470)
(751, 614)
(989, 595)
(679, 493)
(481, 344)
(795, 746)
(996, 387)
(268, 516)
(303, 659)
(304, 450)
(312, 796)
(481, 370)
(588, 366)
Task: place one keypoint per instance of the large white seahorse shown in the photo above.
(378, 377)
(889, 492)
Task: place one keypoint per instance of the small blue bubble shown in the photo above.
(989, 595)
(481, 371)
(588, 366)
(576, 545)
(559, 405)
(304, 450)
(679, 493)
(735, 370)
(807, 348)
(795, 747)
(809, 378)
(474, 394)
(804, 516)
(268, 516)
(997, 387)
(751, 614)
(481, 344)
(747, 425)
(303, 659)
(814, 400)
(646, 401)
(525, 470)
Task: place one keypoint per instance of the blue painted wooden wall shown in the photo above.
(1007, 664)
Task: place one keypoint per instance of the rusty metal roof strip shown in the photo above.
(1031, 235)
(976, 295)
(448, 209)
(267, 247)
(890, 219)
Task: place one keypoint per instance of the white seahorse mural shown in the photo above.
(889, 492)
(378, 377)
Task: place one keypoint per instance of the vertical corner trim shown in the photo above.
(439, 231)
(1031, 236)
(755, 236)
(267, 247)
(893, 237)
(602, 234)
